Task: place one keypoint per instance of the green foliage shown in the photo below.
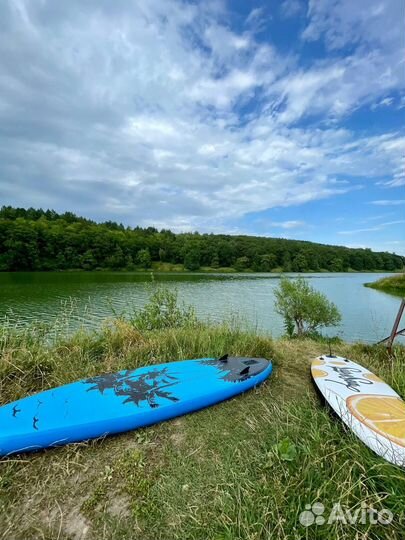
(164, 311)
(289, 326)
(117, 259)
(286, 450)
(300, 263)
(286, 262)
(337, 264)
(265, 263)
(241, 263)
(302, 305)
(215, 261)
(144, 259)
(392, 284)
(32, 239)
(192, 259)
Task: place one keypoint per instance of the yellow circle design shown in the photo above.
(372, 377)
(317, 373)
(318, 362)
(383, 414)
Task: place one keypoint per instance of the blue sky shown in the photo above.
(277, 118)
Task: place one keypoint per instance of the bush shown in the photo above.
(303, 308)
(192, 260)
(144, 259)
(163, 311)
(242, 263)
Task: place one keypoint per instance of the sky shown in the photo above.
(268, 117)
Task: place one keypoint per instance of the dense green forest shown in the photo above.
(44, 240)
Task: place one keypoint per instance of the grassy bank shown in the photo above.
(167, 267)
(170, 267)
(243, 469)
(392, 284)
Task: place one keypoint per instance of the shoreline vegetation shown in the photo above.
(392, 284)
(168, 268)
(38, 240)
(243, 469)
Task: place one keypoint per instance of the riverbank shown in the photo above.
(171, 268)
(162, 267)
(243, 469)
(392, 284)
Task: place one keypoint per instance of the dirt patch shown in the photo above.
(76, 526)
(177, 438)
(119, 506)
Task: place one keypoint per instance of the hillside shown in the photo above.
(33, 240)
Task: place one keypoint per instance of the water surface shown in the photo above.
(92, 297)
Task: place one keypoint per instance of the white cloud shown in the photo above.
(292, 8)
(343, 22)
(389, 202)
(160, 113)
(377, 217)
(376, 228)
(336, 88)
(309, 91)
(225, 45)
(222, 93)
(254, 15)
(292, 224)
(397, 181)
(373, 68)
(385, 102)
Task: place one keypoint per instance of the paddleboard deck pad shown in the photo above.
(117, 402)
(365, 403)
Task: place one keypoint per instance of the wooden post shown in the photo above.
(395, 332)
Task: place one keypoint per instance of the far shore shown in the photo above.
(393, 284)
(168, 268)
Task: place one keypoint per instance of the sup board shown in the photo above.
(117, 402)
(365, 403)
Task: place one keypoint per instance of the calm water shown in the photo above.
(90, 298)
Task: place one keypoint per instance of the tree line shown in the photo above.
(35, 239)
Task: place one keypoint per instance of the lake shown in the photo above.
(88, 299)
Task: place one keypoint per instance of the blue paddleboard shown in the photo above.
(116, 402)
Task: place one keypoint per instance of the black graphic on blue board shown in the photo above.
(136, 388)
(232, 369)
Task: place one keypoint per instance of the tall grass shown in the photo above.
(391, 284)
(244, 469)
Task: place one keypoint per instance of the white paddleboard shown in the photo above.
(365, 403)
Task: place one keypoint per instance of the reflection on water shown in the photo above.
(90, 298)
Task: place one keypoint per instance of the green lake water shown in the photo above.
(89, 299)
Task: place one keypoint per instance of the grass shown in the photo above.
(171, 267)
(243, 469)
(162, 267)
(393, 284)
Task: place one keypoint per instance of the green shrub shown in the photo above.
(164, 311)
(303, 308)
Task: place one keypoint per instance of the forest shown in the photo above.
(43, 240)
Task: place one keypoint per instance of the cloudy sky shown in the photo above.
(279, 118)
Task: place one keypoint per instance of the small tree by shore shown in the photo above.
(164, 311)
(304, 309)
